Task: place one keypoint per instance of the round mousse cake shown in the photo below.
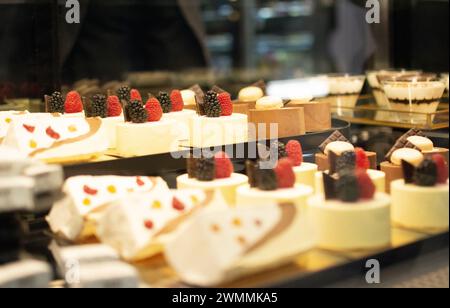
(343, 226)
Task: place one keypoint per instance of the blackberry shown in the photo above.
(347, 188)
(164, 100)
(426, 174)
(56, 103)
(279, 148)
(99, 106)
(136, 112)
(251, 170)
(124, 93)
(266, 179)
(212, 106)
(191, 167)
(206, 169)
(346, 162)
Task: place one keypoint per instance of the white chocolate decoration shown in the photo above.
(339, 147)
(250, 94)
(412, 156)
(188, 97)
(423, 143)
(269, 102)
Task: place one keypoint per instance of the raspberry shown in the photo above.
(224, 166)
(73, 103)
(285, 173)
(177, 205)
(442, 168)
(177, 101)
(362, 161)
(135, 95)
(114, 106)
(366, 186)
(295, 152)
(154, 110)
(225, 104)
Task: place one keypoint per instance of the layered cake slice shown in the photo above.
(351, 215)
(75, 216)
(216, 123)
(8, 117)
(350, 161)
(137, 225)
(220, 238)
(57, 139)
(275, 184)
(413, 147)
(212, 173)
(420, 200)
(339, 144)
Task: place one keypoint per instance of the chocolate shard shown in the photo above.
(218, 89)
(329, 185)
(403, 142)
(47, 103)
(199, 98)
(336, 136)
(260, 84)
(251, 169)
(408, 172)
(124, 104)
(87, 106)
(332, 160)
(191, 164)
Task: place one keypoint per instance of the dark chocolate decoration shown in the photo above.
(251, 169)
(426, 174)
(218, 89)
(260, 84)
(403, 142)
(329, 185)
(47, 102)
(191, 164)
(332, 160)
(346, 162)
(336, 136)
(408, 172)
(199, 98)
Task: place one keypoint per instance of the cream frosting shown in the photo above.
(423, 143)
(250, 94)
(339, 147)
(341, 85)
(304, 174)
(269, 102)
(414, 91)
(188, 97)
(412, 156)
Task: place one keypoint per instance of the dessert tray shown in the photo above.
(367, 112)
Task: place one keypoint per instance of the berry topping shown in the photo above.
(177, 101)
(212, 105)
(166, 103)
(73, 103)
(224, 166)
(99, 107)
(114, 106)
(362, 161)
(136, 112)
(285, 173)
(294, 152)
(154, 110)
(29, 128)
(149, 224)
(347, 187)
(139, 181)
(426, 174)
(366, 186)
(346, 162)
(206, 169)
(442, 168)
(124, 93)
(89, 191)
(225, 104)
(177, 205)
(135, 95)
(267, 179)
(52, 134)
(56, 103)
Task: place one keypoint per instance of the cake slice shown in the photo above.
(75, 216)
(57, 139)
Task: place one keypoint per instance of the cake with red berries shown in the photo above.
(240, 241)
(114, 117)
(177, 113)
(339, 144)
(71, 106)
(272, 183)
(350, 215)
(212, 173)
(7, 117)
(413, 147)
(350, 160)
(87, 197)
(138, 226)
(216, 124)
(144, 131)
(420, 200)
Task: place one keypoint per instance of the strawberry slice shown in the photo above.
(89, 191)
(52, 134)
(140, 182)
(29, 128)
(177, 204)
